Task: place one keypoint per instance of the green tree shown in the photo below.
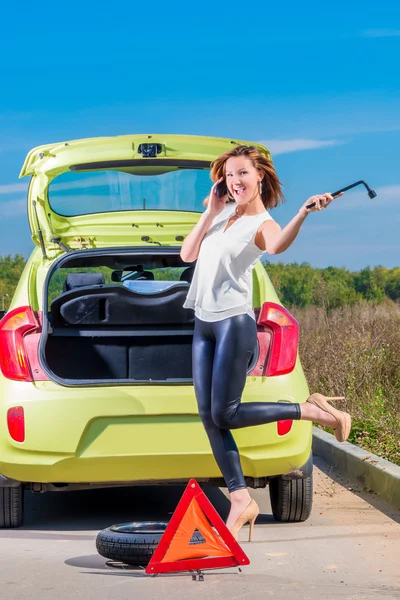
(295, 284)
(336, 288)
(392, 285)
(11, 268)
(369, 283)
(333, 287)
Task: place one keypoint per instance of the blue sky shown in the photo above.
(319, 84)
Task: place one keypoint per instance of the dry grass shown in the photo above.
(355, 352)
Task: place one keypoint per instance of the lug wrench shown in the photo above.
(371, 193)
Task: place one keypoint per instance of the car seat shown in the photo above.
(77, 280)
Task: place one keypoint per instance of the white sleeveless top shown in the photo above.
(222, 280)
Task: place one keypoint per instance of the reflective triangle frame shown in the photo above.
(237, 556)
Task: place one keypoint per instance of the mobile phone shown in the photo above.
(221, 189)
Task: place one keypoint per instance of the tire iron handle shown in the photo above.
(371, 193)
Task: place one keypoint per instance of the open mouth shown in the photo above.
(239, 191)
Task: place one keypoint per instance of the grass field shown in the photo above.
(355, 352)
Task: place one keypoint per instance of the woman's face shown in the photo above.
(242, 178)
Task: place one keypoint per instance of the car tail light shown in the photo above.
(19, 339)
(278, 336)
(284, 427)
(16, 423)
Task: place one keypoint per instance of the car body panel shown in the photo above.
(127, 433)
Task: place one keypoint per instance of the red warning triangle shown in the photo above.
(175, 552)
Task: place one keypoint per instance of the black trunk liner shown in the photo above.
(136, 358)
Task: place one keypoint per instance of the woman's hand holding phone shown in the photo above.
(216, 204)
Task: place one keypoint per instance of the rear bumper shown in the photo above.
(252, 482)
(288, 458)
(143, 434)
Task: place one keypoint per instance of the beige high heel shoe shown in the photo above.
(250, 514)
(343, 419)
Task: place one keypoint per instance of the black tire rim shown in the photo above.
(146, 527)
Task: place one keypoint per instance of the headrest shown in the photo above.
(77, 280)
(187, 275)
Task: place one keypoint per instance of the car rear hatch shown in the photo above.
(145, 190)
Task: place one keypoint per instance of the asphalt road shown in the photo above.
(348, 549)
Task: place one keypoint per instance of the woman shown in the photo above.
(227, 242)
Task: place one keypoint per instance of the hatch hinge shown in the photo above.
(44, 153)
(84, 243)
(59, 243)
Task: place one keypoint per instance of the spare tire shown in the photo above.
(134, 543)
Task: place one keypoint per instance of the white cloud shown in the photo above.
(381, 33)
(13, 188)
(277, 146)
(13, 208)
(386, 196)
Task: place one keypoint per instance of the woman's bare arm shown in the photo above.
(275, 240)
(191, 245)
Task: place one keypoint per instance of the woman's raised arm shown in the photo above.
(275, 240)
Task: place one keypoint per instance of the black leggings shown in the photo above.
(221, 354)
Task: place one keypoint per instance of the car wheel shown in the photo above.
(11, 506)
(291, 500)
(133, 543)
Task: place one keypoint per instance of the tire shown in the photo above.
(291, 500)
(11, 507)
(133, 543)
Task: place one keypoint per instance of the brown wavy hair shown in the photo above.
(271, 194)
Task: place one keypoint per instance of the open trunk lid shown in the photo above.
(132, 190)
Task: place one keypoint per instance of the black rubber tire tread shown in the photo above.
(291, 500)
(131, 548)
(11, 507)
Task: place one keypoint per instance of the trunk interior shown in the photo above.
(131, 356)
(131, 331)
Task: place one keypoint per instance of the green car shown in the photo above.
(96, 382)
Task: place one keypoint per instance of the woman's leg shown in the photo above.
(235, 343)
(222, 443)
(236, 338)
(220, 362)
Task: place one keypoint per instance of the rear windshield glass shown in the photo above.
(82, 193)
